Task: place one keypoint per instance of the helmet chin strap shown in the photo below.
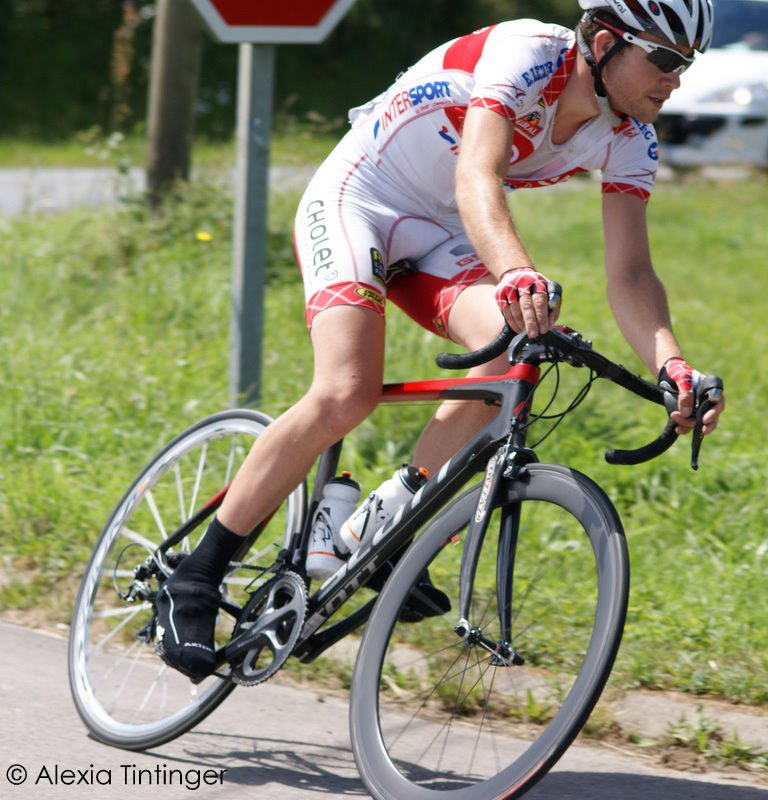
(596, 68)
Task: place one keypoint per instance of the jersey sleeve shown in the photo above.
(632, 161)
(516, 65)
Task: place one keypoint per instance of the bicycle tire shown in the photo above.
(126, 696)
(430, 716)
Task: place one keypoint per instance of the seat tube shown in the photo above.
(327, 467)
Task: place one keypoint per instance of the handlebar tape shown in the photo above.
(647, 452)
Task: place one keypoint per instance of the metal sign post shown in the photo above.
(257, 26)
(254, 125)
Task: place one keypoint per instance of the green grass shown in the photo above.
(114, 334)
(706, 739)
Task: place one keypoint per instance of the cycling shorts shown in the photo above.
(360, 242)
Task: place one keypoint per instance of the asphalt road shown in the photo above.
(273, 741)
(50, 189)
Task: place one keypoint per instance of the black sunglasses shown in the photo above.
(667, 59)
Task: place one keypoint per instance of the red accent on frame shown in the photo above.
(217, 499)
(434, 389)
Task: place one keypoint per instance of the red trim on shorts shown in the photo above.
(345, 294)
(428, 300)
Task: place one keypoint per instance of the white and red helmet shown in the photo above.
(686, 23)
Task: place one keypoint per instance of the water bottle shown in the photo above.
(380, 505)
(340, 496)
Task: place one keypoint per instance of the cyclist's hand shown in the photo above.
(680, 378)
(522, 295)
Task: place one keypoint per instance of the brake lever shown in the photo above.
(706, 396)
(708, 393)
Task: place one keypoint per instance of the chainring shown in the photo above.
(271, 622)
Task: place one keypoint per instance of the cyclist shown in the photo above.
(410, 206)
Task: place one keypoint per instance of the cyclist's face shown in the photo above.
(636, 86)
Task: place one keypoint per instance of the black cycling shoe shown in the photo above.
(425, 600)
(186, 618)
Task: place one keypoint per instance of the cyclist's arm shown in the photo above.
(637, 296)
(482, 164)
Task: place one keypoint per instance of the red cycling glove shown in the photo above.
(514, 282)
(679, 375)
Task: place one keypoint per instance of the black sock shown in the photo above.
(209, 560)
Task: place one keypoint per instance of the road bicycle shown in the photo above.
(476, 703)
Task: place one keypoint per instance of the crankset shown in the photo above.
(267, 629)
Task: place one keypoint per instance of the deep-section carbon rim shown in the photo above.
(433, 718)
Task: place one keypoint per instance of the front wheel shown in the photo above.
(435, 716)
(124, 693)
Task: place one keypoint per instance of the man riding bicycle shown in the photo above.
(410, 206)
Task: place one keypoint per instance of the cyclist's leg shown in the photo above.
(452, 295)
(336, 243)
(474, 320)
(348, 345)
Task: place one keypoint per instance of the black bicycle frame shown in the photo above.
(499, 442)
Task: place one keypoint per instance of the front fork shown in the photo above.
(507, 464)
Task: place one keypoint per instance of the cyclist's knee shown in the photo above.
(342, 406)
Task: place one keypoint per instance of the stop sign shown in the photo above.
(271, 21)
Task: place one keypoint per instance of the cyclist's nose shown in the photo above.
(671, 80)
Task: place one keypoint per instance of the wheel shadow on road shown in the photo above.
(317, 768)
(313, 767)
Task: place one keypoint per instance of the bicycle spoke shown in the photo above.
(150, 691)
(425, 702)
(126, 657)
(124, 683)
(128, 615)
(150, 498)
(120, 611)
(138, 538)
(230, 464)
(198, 478)
(180, 493)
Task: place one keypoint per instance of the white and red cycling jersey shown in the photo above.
(387, 192)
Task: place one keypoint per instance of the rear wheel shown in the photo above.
(435, 716)
(123, 692)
